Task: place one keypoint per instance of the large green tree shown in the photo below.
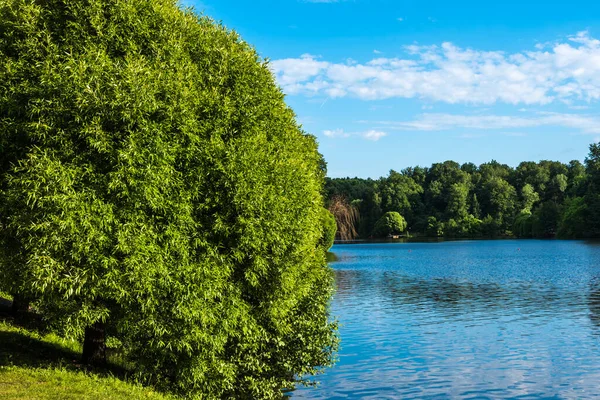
(155, 187)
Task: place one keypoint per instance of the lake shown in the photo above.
(466, 319)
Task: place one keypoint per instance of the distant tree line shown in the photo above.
(541, 200)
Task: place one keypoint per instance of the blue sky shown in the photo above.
(390, 84)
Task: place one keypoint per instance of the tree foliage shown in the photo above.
(391, 223)
(154, 182)
(346, 217)
(523, 225)
(545, 219)
(573, 223)
(329, 229)
(529, 196)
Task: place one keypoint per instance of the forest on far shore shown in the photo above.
(536, 199)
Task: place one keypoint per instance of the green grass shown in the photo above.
(39, 365)
(20, 346)
(63, 384)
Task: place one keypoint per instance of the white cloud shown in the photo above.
(566, 71)
(335, 133)
(400, 19)
(371, 134)
(298, 74)
(376, 51)
(439, 122)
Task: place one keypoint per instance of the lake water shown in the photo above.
(466, 319)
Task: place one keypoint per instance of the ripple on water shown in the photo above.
(471, 319)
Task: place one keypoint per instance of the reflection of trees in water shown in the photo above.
(331, 257)
(442, 292)
(347, 282)
(448, 295)
(594, 301)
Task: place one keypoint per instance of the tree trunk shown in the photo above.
(94, 345)
(20, 305)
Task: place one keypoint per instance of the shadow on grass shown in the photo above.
(20, 349)
(24, 342)
(30, 321)
(5, 304)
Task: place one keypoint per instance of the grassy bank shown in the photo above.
(61, 384)
(38, 365)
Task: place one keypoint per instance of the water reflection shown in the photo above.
(395, 290)
(466, 320)
(594, 302)
(331, 257)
